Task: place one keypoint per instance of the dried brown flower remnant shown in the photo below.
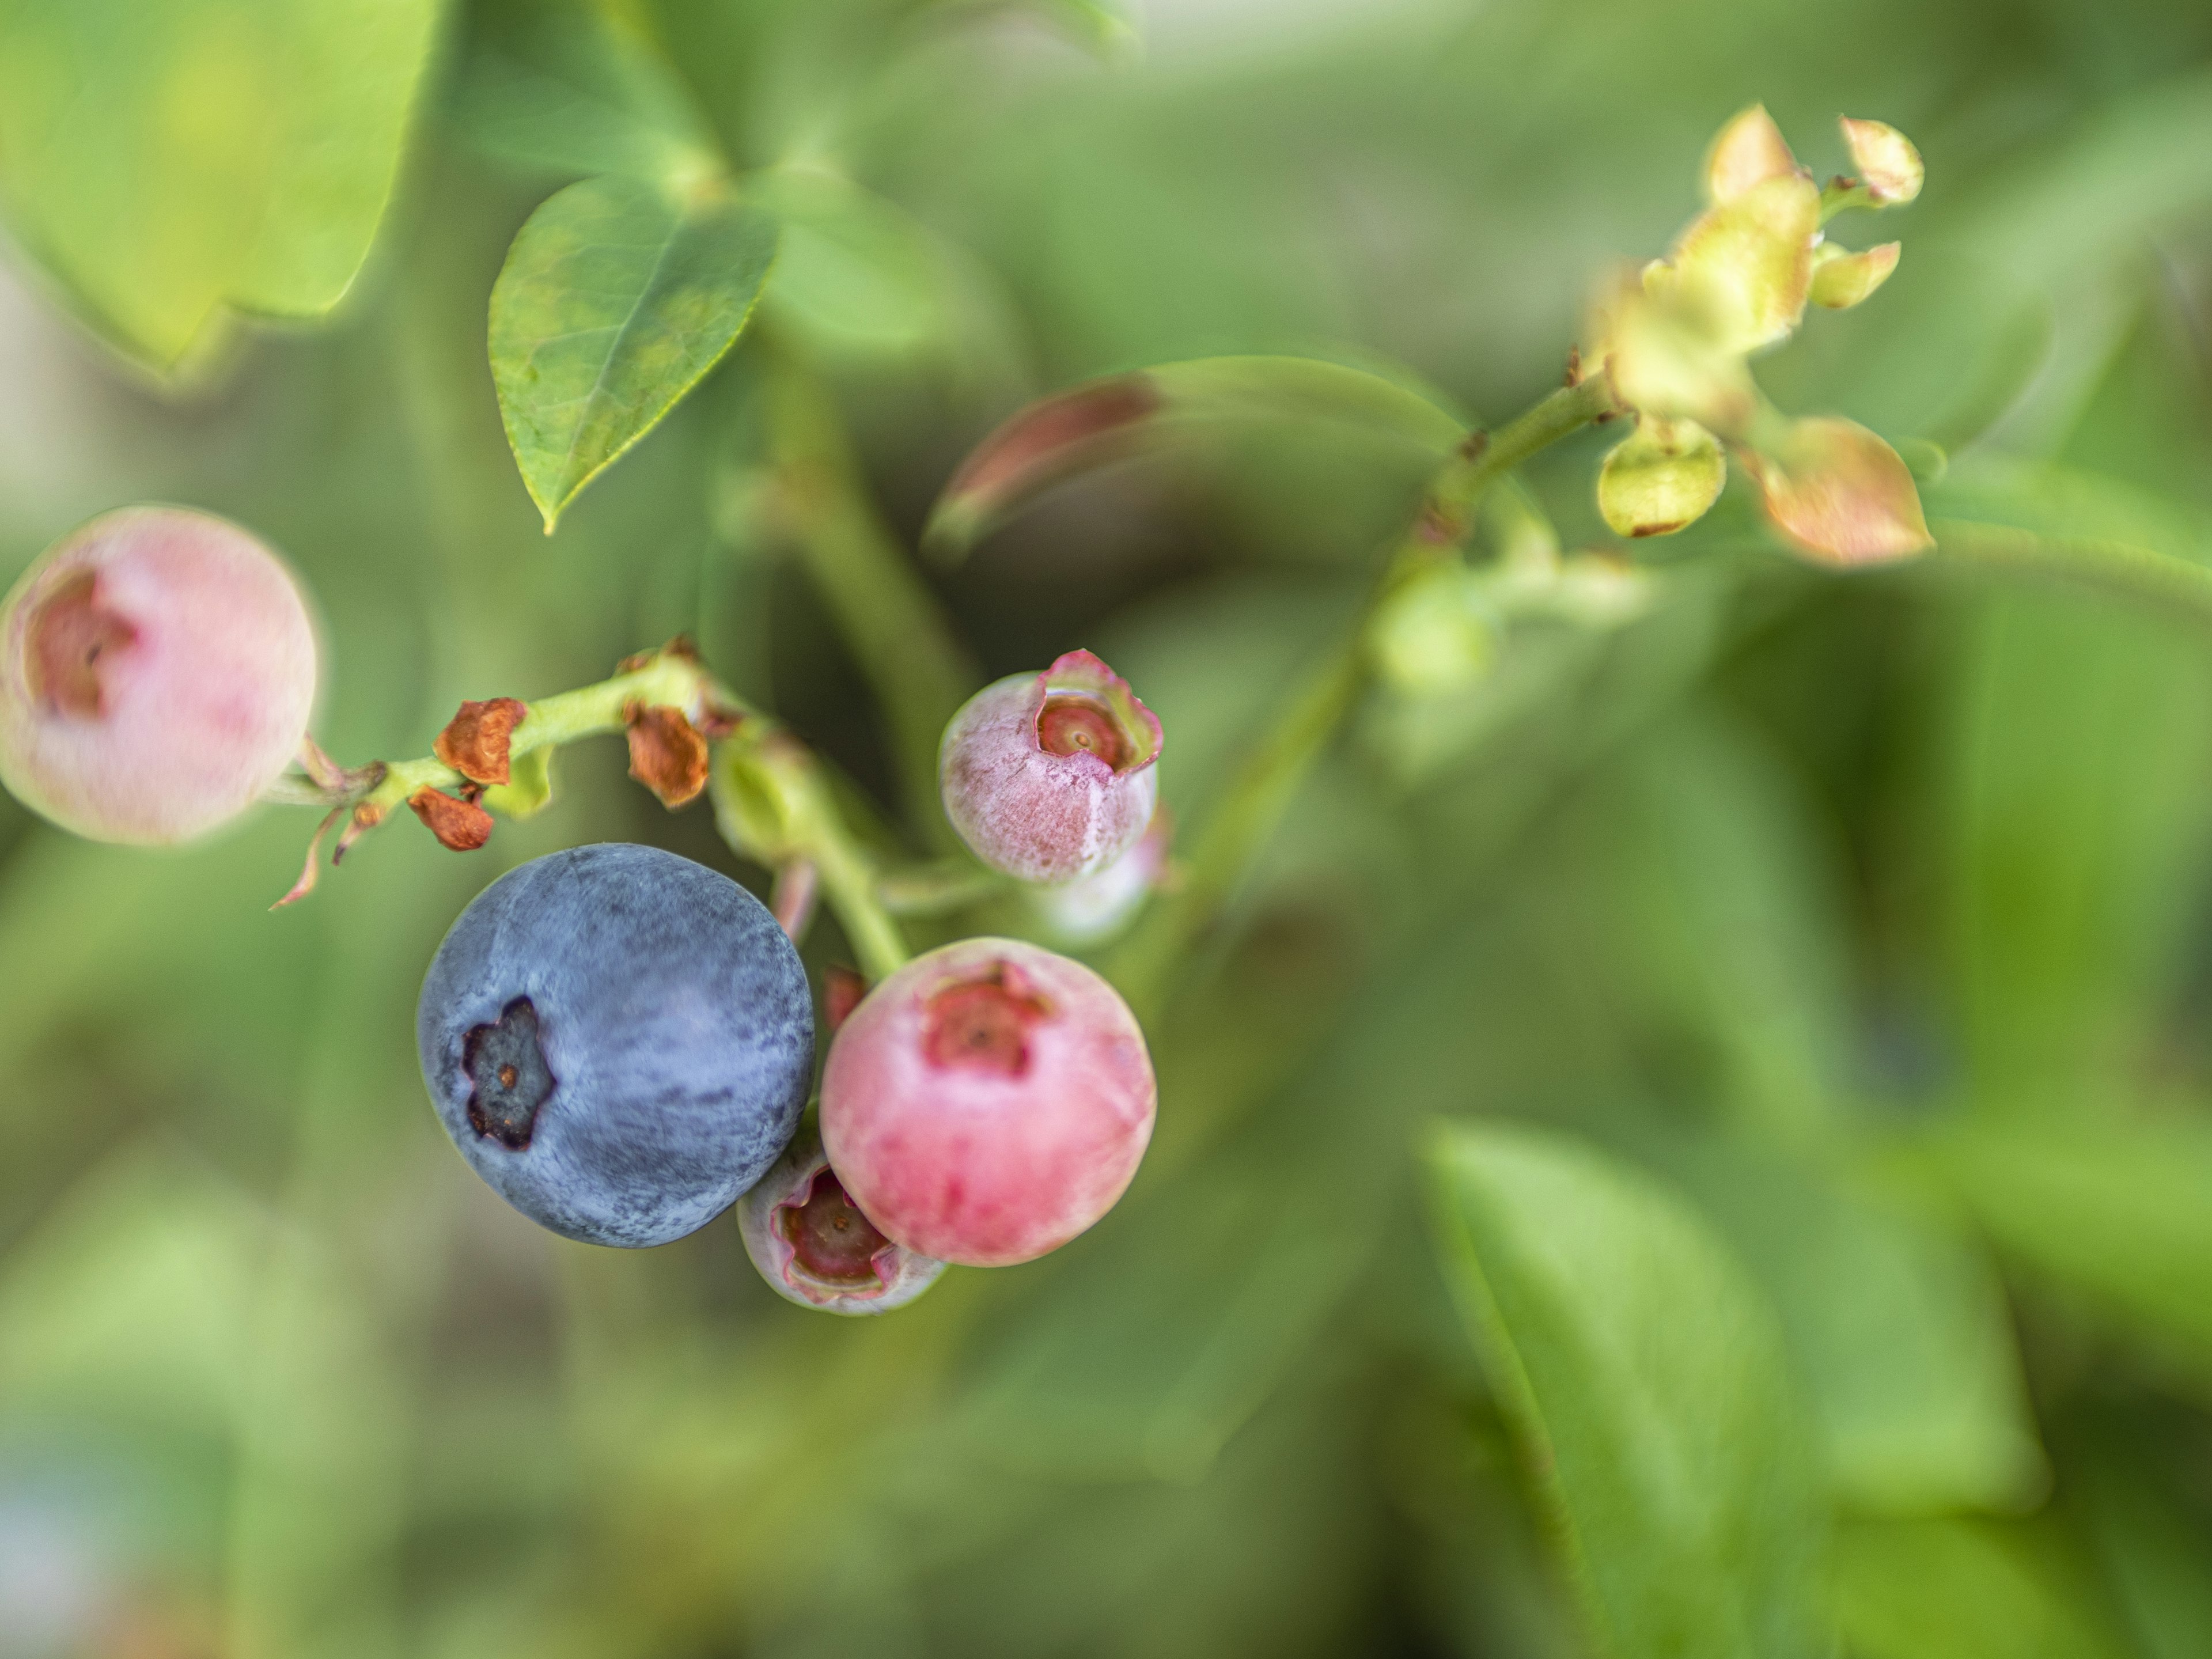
(475, 742)
(666, 754)
(460, 824)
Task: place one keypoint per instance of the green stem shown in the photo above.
(1261, 791)
(891, 622)
(848, 883)
(2161, 580)
(773, 805)
(1458, 486)
(666, 680)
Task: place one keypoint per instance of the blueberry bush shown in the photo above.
(925, 674)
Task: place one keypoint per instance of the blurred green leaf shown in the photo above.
(2119, 1213)
(1957, 1589)
(616, 297)
(2082, 792)
(1148, 1349)
(569, 89)
(1074, 432)
(1646, 1378)
(853, 270)
(2154, 1549)
(1898, 1326)
(169, 159)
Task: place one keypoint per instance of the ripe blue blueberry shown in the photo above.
(618, 1040)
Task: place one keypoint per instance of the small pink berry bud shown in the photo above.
(157, 672)
(987, 1101)
(1051, 776)
(814, 1247)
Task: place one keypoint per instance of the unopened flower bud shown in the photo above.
(1661, 478)
(1842, 278)
(1888, 164)
(1051, 776)
(1436, 634)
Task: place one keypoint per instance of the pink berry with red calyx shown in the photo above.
(815, 1247)
(987, 1101)
(157, 672)
(1052, 776)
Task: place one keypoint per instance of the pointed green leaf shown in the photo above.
(616, 297)
(168, 160)
(1645, 1377)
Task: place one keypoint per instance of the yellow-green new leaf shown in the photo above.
(1841, 278)
(616, 297)
(168, 161)
(1839, 495)
(1749, 151)
(1647, 1382)
(1661, 478)
(1750, 259)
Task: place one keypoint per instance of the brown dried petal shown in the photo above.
(666, 754)
(475, 741)
(462, 825)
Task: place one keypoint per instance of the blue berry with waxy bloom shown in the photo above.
(618, 1040)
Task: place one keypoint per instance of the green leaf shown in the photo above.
(1106, 420)
(168, 160)
(1646, 1378)
(571, 90)
(616, 297)
(1897, 1324)
(854, 270)
(1958, 1589)
(2120, 1213)
(2082, 793)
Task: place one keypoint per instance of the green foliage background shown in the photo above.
(1702, 1136)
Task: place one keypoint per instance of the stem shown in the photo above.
(667, 679)
(1457, 488)
(2124, 569)
(848, 882)
(1263, 788)
(891, 622)
(773, 805)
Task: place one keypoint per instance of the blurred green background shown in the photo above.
(1866, 916)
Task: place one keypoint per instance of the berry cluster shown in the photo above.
(621, 1041)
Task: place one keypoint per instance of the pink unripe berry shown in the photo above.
(1051, 776)
(987, 1101)
(157, 672)
(814, 1246)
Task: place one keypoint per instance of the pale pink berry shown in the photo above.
(987, 1101)
(1052, 776)
(157, 672)
(814, 1246)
